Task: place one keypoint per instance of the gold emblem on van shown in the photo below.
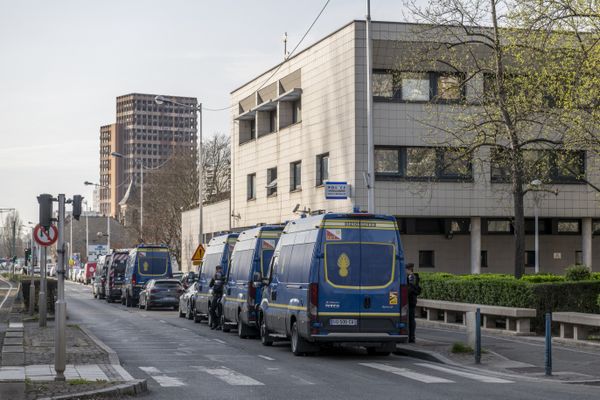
(146, 266)
(343, 264)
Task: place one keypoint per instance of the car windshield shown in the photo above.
(153, 262)
(167, 284)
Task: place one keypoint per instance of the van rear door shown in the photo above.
(339, 276)
(380, 277)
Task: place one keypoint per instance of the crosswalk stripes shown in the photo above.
(162, 380)
(407, 373)
(230, 376)
(465, 374)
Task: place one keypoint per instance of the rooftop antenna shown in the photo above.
(285, 52)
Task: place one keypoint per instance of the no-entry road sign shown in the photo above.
(45, 237)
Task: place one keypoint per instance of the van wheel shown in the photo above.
(95, 295)
(265, 338)
(299, 346)
(224, 327)
(243, 329)
(197, 317)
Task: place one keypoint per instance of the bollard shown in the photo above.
(31, 292)
(478, 336)
(471, 329)
(548, 358)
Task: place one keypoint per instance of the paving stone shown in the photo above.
(14, 334)
(13, 341)
(12, 349)
(13, 359)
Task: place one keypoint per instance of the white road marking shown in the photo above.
(164, 322)
(220, 341)
(7, 293)
(167, 381)
(185, 329)
(266, 358)
(465, 374)
(231, 377)
(300, 380)
(150, 370)
(407, 373)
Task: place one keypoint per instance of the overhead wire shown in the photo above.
(281, 63)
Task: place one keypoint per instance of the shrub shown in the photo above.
(542, 278)
(598, 302)
(595, 276)
(577, 273)
(461, 348)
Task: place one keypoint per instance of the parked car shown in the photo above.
(337, 278)
(218, 252)
(89, 270)
(115, 274)
(187, 279)
(160, 293)
(145, 262)
(186, 301)
(100, 276)
(243, 288)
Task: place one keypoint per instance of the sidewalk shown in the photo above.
(27, 360)
(523, 356)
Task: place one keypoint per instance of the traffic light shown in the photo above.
(27, 255)
(45, 202)
(77, 206)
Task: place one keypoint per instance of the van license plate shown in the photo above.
(343, 322)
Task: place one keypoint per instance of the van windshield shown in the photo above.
(353, 265)
(153, 262)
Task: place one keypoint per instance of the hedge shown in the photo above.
(50, 295)
(505, 290)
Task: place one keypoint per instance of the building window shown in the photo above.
(271, 182)
(568, 227)
(415, 86)
(530, 258)
(551, 166)
(422, 163)
(296, 176)
(578, 257)
(251, 187)
(499, 226)
(322, 168)
(448, 88)
(296, 111)
(272, 121)
(484, 259)
(383, 85)
(426, 259)
(247, 130)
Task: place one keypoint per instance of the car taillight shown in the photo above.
(404, 308)
(313, 300)
(251, 294)
(133, 280)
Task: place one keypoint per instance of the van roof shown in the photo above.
(315, 221)
(222, 238)
(255, 232)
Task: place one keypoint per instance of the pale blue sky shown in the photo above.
(63, 62)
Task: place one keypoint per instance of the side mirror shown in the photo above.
(266, 281)
(256, 277)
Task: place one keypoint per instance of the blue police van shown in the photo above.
(337, 279)
(218, 252)
(243, 289)
(145, 262)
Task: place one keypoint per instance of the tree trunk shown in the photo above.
(519, 227)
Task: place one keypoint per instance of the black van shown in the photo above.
(145, 262)
(115, 274)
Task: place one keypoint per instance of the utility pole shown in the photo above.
(87, 233)
(31, 284)
(42, 300)
(142, 199)
(14, 241)
(370, 139)
(60, 349)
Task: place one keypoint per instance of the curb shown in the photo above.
(424, 355)
(112, 355)
(132, 388)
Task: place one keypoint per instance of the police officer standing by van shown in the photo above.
(216, 283)
(414, 290)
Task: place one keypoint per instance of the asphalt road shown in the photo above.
(181, 359)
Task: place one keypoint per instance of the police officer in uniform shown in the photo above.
(216, 283)
(414, 290)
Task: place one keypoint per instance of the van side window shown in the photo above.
(300, 263)
(284, 259)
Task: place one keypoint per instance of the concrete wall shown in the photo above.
(453, 255)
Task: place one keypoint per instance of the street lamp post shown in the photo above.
(87, 232)
(198, 109)
(536, 183)
(87, 183)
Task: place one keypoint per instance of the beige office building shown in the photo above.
(304, 122)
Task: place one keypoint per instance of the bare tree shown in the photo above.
(11, 233)
(500, 97)
(217, 168)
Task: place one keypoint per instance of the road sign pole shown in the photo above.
(31, 292)
(60, 350)
(42, 301)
